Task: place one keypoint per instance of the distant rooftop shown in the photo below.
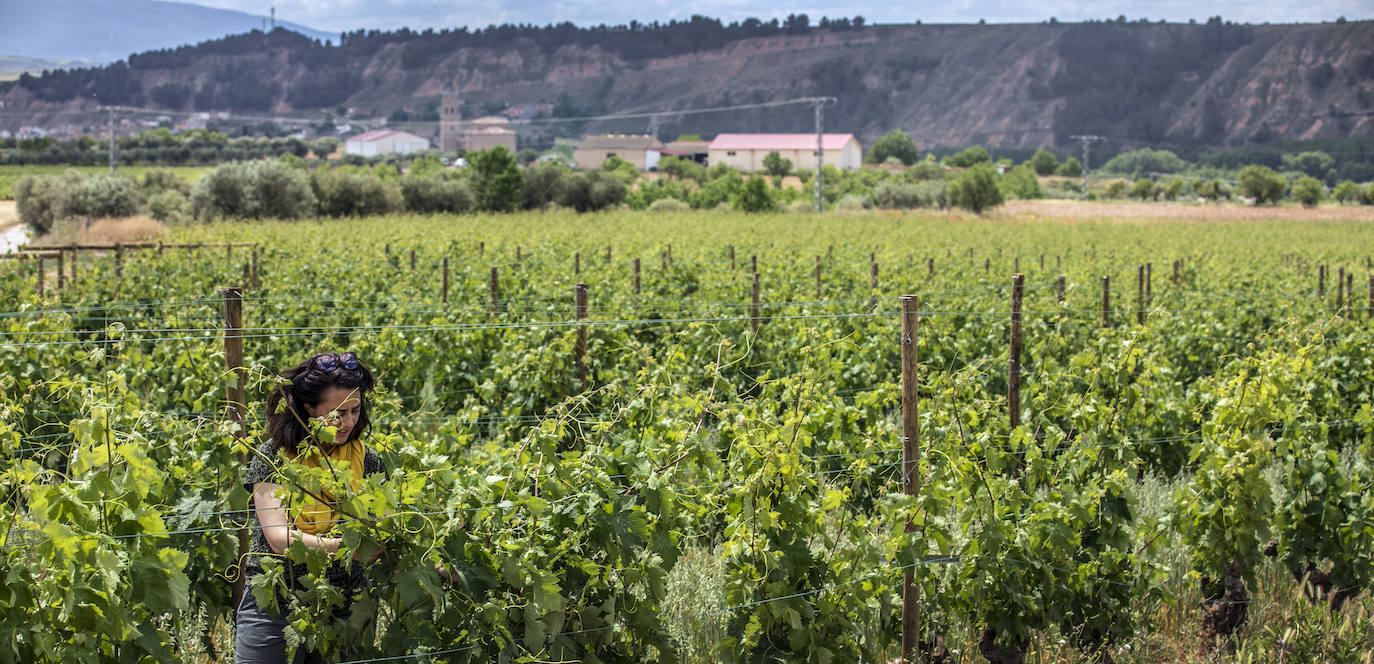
(779, 141)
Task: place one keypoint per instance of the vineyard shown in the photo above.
(680, 439)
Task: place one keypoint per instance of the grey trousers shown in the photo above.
(258, 637)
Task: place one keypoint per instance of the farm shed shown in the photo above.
(746, 151)
(385, 141)
(640, 150)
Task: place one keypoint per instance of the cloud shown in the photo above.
(339, 15)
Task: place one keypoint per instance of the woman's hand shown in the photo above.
(276, 527)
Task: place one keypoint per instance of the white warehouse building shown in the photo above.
(746, 151)
(385, 141)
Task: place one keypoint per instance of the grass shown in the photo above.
(10, 174)
(102, 231)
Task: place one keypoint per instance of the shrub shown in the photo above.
(891, 195)
(1144, 162)
(101, 196)
(668, 205)
(925, 170)
(775, 164)
(1261, 183)
(1346, 191)
(1070, 168)
(431, 194)
(755, 197)
(1143, 189)
(1211, 190)
(154, 182)
(592, 190)
(1117, 189)
(38, 199)
(1043, 162)
(1173, 189)
(543, 184)
(347, 194)
(254, 190)
(969, 157)
(895, 144)
(853, 203)
(800, 207)
(169, 207)
(1020, 182)
(1308, 191)
(976, 189)
(497, 182)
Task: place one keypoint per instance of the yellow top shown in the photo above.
(315, 517)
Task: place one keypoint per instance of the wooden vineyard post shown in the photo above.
(1340, 288)
(495, 285)
(1058, 262)
(76, 261)
(42, 276)
(911, 476)
(1149, 285)
(1059, 288)
(577, 263)
(412, 261)
(818, 278)
(247, 272)
(233, 360)
(519, 255)
(930, 267)
(1014, 357)
(257, 281)
(228, 253)
(670, 254)
(754, 306)
(61, 269)
(1371, 291)
(1321, 281)
(388, 253)
(159, 248)
(732, 257)
(482, 249)
(1106, 301)
(636, 276)
(987, 265)
(580, 309)
(608, 254)
(1042, 261)
(663, 260)
(444, 289)
(1016, 265)
(1176, 277)
(1350, 292)
(1140, 294)
(119, 260)
(754, 263)
(872, 283)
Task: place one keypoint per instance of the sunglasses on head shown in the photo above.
(332, 361)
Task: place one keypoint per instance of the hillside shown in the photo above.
(1005, 85)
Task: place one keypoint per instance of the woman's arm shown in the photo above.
(277, 528)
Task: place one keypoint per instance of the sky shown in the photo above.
(341, 15)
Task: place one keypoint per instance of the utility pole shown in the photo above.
(1088, 140)
(274, 19)
(112, 141)
(653, 126)
(820, 103)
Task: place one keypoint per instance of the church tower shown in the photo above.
(450, 120)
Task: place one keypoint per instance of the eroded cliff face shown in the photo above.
(1008, 85)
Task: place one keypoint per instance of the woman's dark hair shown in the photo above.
(309, 381)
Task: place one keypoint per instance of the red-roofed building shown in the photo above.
(385, 141)
(746, 151)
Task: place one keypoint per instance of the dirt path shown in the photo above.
(12, 233)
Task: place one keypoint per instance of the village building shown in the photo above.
(746, 152)
(385, 141)
(697, 151)
(642, 151)
(487, 133)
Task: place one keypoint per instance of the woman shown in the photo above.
(331, 388)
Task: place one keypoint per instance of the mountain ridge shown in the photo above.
(1014, 85)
